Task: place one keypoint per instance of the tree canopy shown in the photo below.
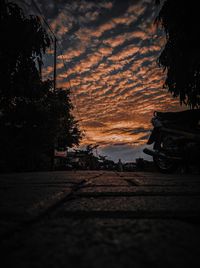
(181, 55)
(34, 118)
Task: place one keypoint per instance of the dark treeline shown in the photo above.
(181, 55)
(34, 118)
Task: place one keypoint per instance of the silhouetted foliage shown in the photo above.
(181, 55)
(34, 118)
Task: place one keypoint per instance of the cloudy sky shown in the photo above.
(107, 54)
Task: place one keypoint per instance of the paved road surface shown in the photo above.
(99, 219)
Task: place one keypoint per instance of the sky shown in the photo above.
(107, 54)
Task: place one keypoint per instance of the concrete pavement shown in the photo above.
(97, 218)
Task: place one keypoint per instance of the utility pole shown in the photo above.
(55, 62)
(54, 87)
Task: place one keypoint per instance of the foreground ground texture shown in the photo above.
(99, 219)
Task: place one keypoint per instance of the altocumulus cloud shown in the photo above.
(110, 50)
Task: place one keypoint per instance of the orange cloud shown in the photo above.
(115, 81)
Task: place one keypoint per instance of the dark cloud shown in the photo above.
(93, 124)
(127, 130)
(126, 152)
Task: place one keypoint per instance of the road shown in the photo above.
(99, 219)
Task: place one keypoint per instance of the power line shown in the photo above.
(43, 18)
(76, 106)
(56, 42)
(65, 67)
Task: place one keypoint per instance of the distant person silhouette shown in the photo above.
(120, 166)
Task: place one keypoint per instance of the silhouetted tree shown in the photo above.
(181, 55)
(33, 116)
